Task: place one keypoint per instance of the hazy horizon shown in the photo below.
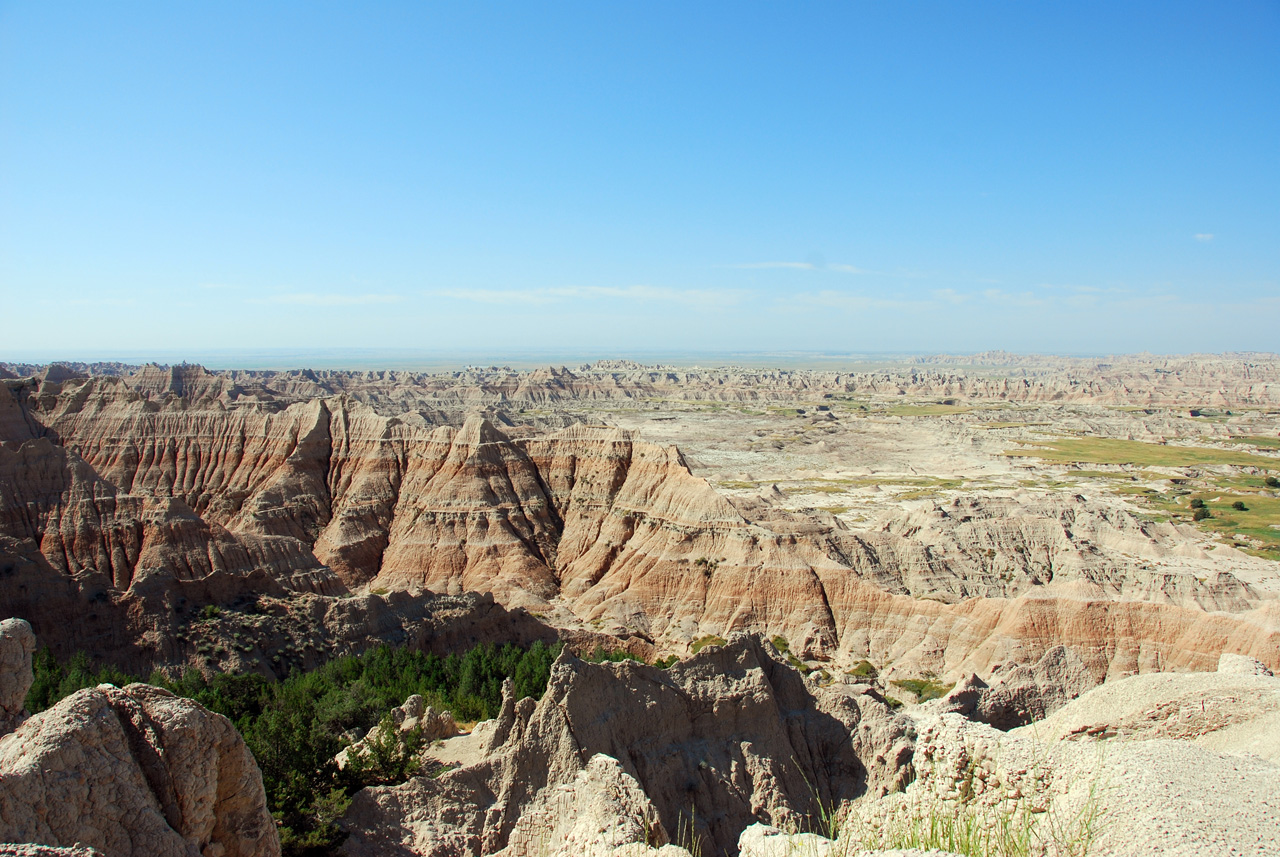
(416, 360)
(845, 178)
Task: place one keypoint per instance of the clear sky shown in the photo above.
(621, 177)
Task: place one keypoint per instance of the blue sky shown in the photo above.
(623, 177)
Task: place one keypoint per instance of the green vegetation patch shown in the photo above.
(926, 688)
(296, 727)
(927, 410)
(1097, 474)
(863, 669)
(1105, 450)
(601, 655)
(931, 487)
(709, 640)
(1258, 441)
(915, 486)
(784, 648)
(1216, 510)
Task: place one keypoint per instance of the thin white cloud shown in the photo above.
(318, 300)
(1204, 236)
(1074, 289)
(950, 296)
(496, 296)
(801, 266)
(832, 299)
(559, 294)
(1018, 299)
(94, 302)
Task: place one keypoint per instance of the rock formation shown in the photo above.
(17, 643)
(617, 759)
(129, 773)
(1020, 694)
(694, 754)
(1135, 380)
(128, 502)
(1163, 763)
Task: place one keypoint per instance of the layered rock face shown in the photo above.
(696, 754)
(130, 773)
(122, 498)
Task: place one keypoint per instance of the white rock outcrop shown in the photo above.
(1164, 763)
(1241, 665)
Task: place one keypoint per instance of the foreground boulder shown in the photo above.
(621, 754)
(136, 772)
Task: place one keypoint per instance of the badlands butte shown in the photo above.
(841, 548)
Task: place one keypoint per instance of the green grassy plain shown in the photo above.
(1257, 522)
(1257, 441)
(1106, 450)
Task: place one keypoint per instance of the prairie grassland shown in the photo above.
(1257, 441)
(1258, 522)
(1105, 450)
(927, 410)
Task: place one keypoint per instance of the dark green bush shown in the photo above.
(53, 680)
(386, 756)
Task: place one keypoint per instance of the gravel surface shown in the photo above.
(1176, 798)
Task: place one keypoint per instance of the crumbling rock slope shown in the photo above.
(727, 738)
